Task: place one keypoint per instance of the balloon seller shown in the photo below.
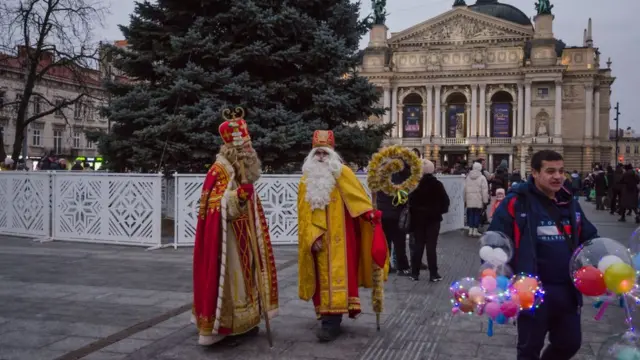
(546, 224)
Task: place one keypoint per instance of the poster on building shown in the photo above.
(501, 120)
(412, 119)
(455, 121)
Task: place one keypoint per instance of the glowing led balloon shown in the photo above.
(625, 346)
(599, 261)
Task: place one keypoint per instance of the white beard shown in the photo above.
(321, 178)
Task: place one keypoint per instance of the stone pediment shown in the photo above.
(461, 26)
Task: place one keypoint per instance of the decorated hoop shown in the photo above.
(389, 161)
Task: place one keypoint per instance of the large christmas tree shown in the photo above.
(290, 64)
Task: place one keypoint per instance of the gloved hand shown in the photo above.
(317, 245)
(245, 192)
(374, 216)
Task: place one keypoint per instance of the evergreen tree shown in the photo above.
(290, 64)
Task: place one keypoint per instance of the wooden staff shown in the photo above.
(253, 239)
(374, 202)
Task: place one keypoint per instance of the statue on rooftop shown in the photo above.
(544, 7)
(379, 11)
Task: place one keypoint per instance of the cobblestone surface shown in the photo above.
(61, 297)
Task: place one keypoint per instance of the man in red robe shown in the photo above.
(233, 287)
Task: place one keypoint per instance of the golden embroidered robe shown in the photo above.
(225, 288)
(331, 276)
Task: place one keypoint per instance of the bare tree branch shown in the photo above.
(40, 37)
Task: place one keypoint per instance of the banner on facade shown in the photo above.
(455, 121)
(412, 119)
(501, 120)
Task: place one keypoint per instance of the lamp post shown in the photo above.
(617, 131)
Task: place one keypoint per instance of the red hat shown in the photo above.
(323, 138)
(234, 130)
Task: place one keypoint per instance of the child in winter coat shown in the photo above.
(500, 194)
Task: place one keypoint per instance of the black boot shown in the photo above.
(330, 328)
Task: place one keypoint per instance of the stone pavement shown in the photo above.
(68, 301)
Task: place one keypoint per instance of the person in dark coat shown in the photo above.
(396, 238)
(616, 188)
(600, 185)
(629, 193)
(427, 203)
(515, 177)
(610, 183)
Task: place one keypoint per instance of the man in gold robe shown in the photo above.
(233, 264)
(336, 223)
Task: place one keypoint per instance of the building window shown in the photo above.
(77, 110)
(88, 111)
(57, 141)
(543, 93)
(36, 137)
(58, 112)
(36, 104)
(18, 100)
(635, 149)
(628, 149)
(76, 139)
(89, 144)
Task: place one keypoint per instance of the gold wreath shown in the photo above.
(391, 160)
(235, 114)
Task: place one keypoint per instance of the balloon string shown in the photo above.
(601, 311)
(490, 328)
(627, 312)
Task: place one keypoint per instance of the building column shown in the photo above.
(482, 123)
(510, 163)
(474, 110)
(596, 114)
(488, 117)
(424, 119)
(438, 131)
(527, 109)
(520, 117)
(443, 121)
(430, 129)
(490, 163)
(514, 127)
(558, 111)
(394, 109)
(467, 111)
(588, 121)
(399, 127)
(386, 102)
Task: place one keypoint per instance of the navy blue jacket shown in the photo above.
(540, 248)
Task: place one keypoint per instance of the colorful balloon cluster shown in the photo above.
(496, 293)
(605, 270)
(603, 266)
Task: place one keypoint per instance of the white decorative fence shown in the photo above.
(127, 209)
(107, 208)
(25, 208)
(279, 195)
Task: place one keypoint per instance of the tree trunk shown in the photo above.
(3, 154)
(17, 145)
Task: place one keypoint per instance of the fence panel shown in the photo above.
(107, 208)
(279, 194)
(24, 204)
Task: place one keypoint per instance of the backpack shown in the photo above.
(517, 206)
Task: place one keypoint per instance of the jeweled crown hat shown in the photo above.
(323, 138)
(234, 130)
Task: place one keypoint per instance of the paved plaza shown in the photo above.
(68, 301)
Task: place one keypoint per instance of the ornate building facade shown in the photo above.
(483, 81)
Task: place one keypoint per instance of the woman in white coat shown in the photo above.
(476, 195)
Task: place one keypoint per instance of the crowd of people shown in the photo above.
(615, 190)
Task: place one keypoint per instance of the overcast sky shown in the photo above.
(615, 31)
